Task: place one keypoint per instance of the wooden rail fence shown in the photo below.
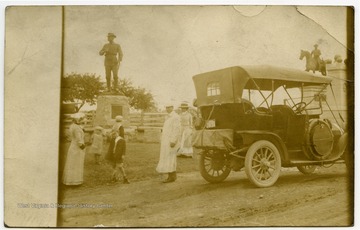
(147, 120)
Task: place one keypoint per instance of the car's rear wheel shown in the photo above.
(307, 169)
(263, 163)
(213, 166)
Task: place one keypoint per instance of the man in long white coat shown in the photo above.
(169, 144)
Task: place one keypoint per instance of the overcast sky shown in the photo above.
(164, 46)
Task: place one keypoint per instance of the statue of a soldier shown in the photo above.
(316, 55)
(113, 57)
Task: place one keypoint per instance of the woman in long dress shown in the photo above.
(74, 165)
(186, 149)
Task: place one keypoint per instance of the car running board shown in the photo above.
(331, 161)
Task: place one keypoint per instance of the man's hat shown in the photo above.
(111, 35)
(169, 104)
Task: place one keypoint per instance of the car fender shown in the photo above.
(249, 137)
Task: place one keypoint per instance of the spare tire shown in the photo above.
(319, 140)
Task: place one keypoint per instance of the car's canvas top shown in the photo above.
(234, 79)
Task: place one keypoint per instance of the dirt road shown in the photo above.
(321, 199)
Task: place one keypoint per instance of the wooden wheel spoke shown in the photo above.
(262, 174)
(263, 163)
(257, 155)
(265, 177)
(207, 169)
(257, 172)
(271, 155)
(266, 152)
(265, 174)
(214, 165)
(256, 160)
(260, 153)
(255, 166)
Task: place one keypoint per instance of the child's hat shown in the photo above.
(118, 118)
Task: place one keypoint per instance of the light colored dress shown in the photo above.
(97, 144)
(170, 134)
(74, 165)
(186, 132)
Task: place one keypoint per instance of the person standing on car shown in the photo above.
(113, 57)
(74, 165)
(169, 144)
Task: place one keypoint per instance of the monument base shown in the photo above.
(110, 106)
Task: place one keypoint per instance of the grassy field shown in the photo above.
(140, 164)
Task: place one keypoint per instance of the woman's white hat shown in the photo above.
(77, 116)
(184, 104)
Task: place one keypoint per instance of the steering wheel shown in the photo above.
(262, 109)
(298, 107)
(247, 106)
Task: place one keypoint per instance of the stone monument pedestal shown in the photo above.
(110, 106)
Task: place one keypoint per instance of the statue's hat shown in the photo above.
(111, 35)
(316, 45)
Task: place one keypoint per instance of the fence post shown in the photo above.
(142, 118)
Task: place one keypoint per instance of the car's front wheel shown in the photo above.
(263, 163)
(213, 166)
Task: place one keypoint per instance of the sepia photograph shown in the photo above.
(139, 116)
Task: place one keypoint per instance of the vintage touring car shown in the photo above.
(263, 118)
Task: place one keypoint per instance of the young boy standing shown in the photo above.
(116, 155)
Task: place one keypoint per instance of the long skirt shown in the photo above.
(185, 143)
(74, 166)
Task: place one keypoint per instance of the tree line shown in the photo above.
(85, 88)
